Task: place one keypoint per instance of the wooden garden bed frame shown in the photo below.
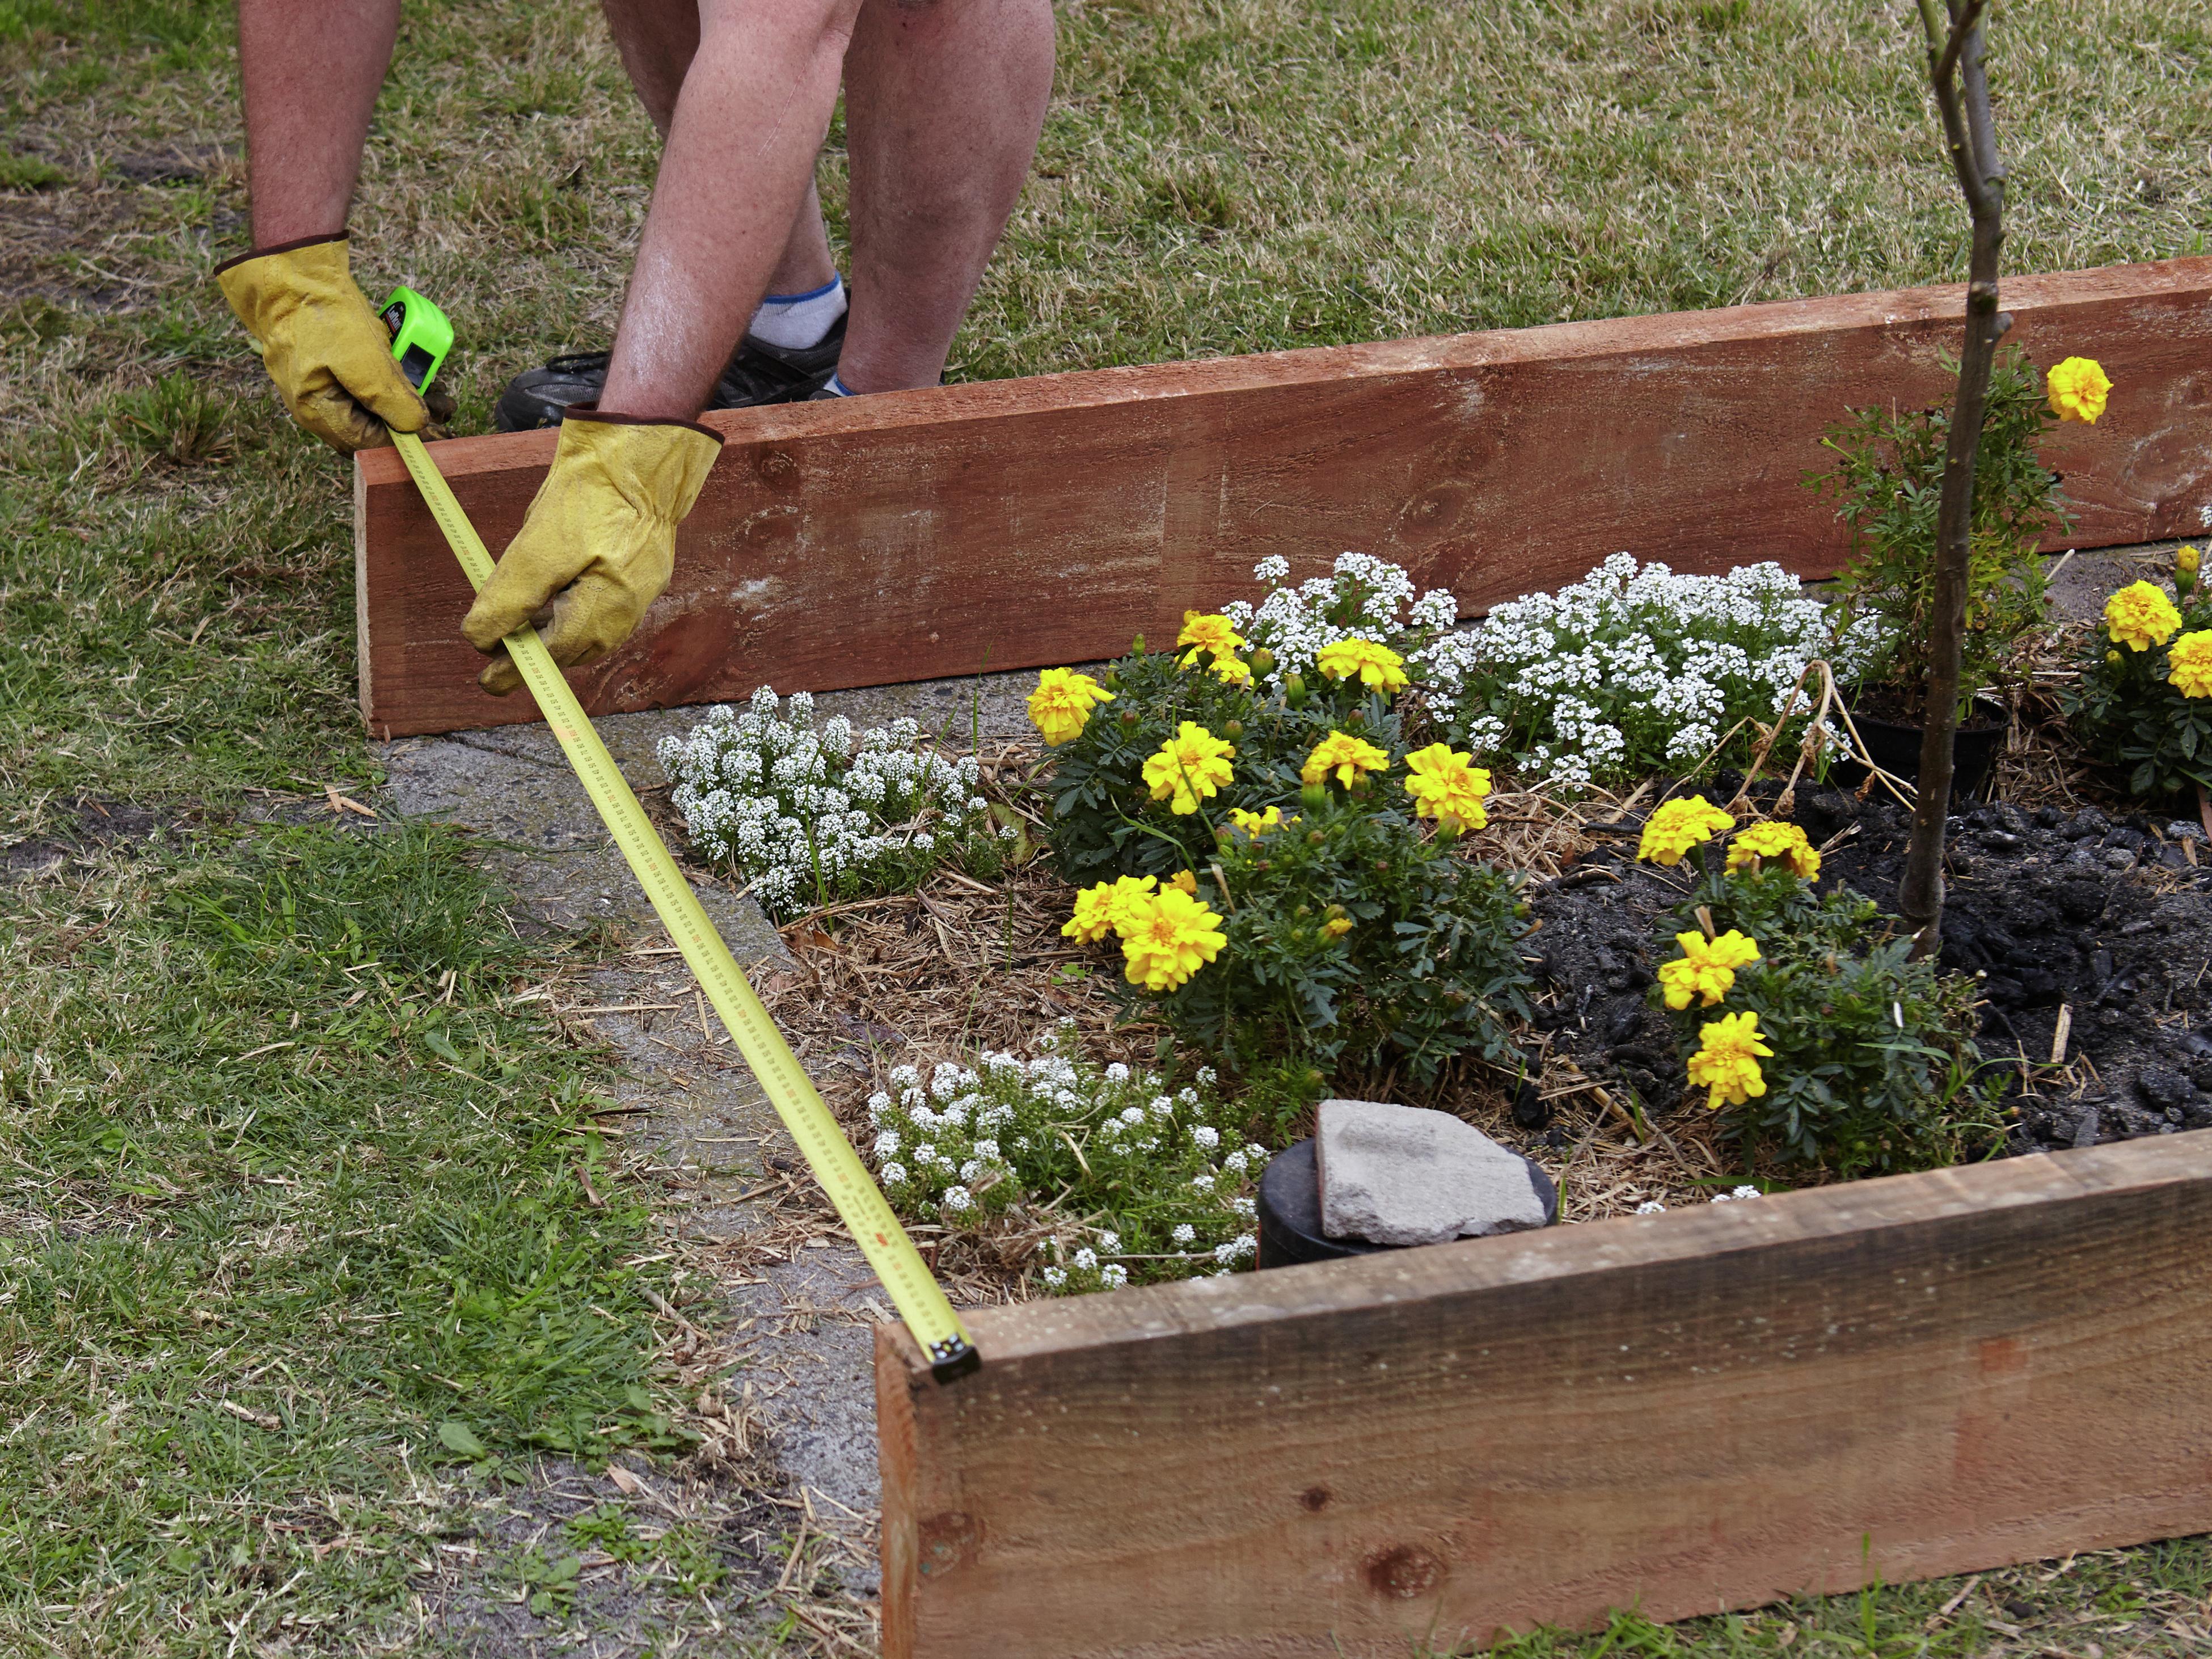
(1686, 1412)
(1019, 523)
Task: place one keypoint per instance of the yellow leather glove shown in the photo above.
(330, 356)
(600, 540)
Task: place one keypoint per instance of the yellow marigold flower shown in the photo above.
(1060, 706)
(1448, 787)
(1256, 824)
(1190, 767)
(1348, 756)
(1379, 668)
(1727, 1062)
(1185, 879)
(1168, 937)
(2187, 560)
(1706, 968)
(2192, 663)
(1337, 927)
(1678, 825)
(1232, 671)
(2140, 616)
(2077, 389)
(1212, 634)
(1098, 909)
(1776, 844)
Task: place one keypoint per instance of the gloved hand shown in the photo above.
(330, 356)
(600, 540)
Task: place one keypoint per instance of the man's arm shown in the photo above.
(311, 74)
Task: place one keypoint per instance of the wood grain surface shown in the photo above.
(1684, 1412)
(1020, 523)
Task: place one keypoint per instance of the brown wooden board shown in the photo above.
(1684, 1412)
(1019, 523)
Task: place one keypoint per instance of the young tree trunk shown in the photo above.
(1955, 54)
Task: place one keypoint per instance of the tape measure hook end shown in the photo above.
(953, 1360)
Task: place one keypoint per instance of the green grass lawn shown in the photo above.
(274, 1147)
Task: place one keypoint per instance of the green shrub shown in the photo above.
(1888, 483)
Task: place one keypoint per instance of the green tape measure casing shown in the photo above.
(421, 335)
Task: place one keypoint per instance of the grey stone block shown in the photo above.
(1407, 1175)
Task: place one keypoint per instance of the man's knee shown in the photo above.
(819, 23)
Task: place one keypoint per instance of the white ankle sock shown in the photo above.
(796, 321)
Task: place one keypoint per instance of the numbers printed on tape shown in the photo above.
(921, 1302)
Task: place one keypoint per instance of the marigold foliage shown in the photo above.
(1448, 787)
(1060, 706)
(1785, 844)
(1706, 968)
(2140, 617)
(1346, 756)
(1869, 1063)
(2078, 388)
(1190, 767)
(1375, 666)
(1726, 1062)
(1675, 826)
(2144, 704)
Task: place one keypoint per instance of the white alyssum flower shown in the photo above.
(1362, 597)
(807, 814)
(958, 1142)
(1650, 1207)
(1635, 668)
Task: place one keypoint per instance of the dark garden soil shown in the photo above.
(2063, 914)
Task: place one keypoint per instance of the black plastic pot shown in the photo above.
(1896, 749)
(1290, 1212)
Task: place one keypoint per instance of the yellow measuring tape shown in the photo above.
(915, 1293)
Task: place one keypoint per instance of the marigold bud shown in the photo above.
(1232, 728)
(1129, 719)
(2111, 656)
(1137, 646)
(1261, 660)
(1316, 797)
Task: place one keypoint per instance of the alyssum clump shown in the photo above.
(809, 815)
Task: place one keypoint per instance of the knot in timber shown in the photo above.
(1404, 1571)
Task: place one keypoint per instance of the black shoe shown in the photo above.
(759, 373)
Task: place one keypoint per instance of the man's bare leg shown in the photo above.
(944, 102)
(656, 39)
(751, 115)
